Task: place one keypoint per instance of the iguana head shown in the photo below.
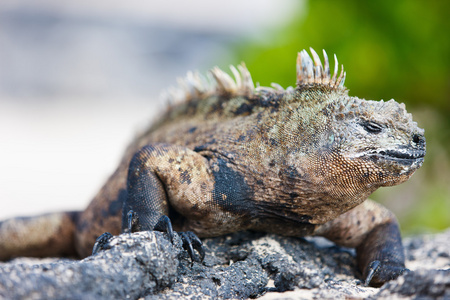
(380, 135)
(376, 142)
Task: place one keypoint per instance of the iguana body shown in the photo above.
(228, 157)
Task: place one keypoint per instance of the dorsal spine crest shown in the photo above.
(310, 72)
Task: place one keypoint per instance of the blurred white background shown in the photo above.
(78, 79)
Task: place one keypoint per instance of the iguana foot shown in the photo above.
(190, 239)
(101, 242)
(378, 273)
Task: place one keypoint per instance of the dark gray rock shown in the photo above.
(240, 265)
(423, 284)
(133, 267)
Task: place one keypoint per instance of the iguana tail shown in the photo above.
(38, 236)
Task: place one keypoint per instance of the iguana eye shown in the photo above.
(372, 127)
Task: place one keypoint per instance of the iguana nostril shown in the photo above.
(418, 139)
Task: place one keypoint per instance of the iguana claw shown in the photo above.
(133, 224)
(101, 242)
(379, 273)
(191, 242)
(165, 225)
(372, 269)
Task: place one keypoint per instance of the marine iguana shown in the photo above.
(227, 156)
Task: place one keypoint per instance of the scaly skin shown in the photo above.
(228, 157)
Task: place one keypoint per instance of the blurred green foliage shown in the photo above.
(391, 49)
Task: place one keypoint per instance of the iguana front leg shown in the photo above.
(373, 230)
(166, 180)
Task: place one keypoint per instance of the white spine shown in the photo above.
(310, 71)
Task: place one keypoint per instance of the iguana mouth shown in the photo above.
(402, 154)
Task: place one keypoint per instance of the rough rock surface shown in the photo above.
(240, 265)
